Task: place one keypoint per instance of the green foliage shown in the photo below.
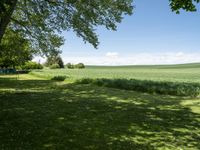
(31, 65)
(60, 62)
(77, 66)
(188, 5)
(40, 21)
(54, 59)
(168, 88)
(54, 66)
(14, 50)
(69, 66)
(59, 78)
(18, 68)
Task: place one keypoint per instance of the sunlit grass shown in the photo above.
(141, 73)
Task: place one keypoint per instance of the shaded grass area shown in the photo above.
(47, 115)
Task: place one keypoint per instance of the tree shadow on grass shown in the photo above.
(5, 78)
(21, 85)
(89, 117)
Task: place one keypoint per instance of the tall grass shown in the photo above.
(159, 87)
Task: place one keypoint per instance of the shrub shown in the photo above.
(59, 78)
(31, 65)
(80, 66)
(84, 81)
(54, 66)
(70, 66)
(169, 88)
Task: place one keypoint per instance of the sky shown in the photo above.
(152, 35)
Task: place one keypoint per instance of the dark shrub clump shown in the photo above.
(59, 78)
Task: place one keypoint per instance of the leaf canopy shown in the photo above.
(42, 21)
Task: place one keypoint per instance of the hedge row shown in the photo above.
(159, 87)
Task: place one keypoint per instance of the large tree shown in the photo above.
(40, 21)
(15, 50)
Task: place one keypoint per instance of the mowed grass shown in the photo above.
(172, 73)
(39, 114)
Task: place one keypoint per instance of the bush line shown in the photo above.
(159, 87)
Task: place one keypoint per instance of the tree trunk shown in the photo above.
(5, 18)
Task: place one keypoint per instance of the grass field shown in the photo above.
(40, 114)
(174, 73)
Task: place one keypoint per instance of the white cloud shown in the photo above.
(112, 54)
(180, 54)
(113, 58)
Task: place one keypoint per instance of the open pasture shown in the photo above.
(173, 73)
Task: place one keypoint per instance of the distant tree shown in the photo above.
(54, 59)
(60, 61)
(14, 50)
(69, 66)
(72, 66)
(80, 66)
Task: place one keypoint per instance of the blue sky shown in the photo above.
(152, 35)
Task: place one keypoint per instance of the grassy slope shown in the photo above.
(174, 73)
(42, 114)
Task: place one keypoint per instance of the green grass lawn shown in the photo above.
(39, 114)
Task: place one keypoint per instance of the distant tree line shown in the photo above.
(54, 61)
(73, 66)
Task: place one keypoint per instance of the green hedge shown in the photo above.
(31, 65)
(168, 88)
